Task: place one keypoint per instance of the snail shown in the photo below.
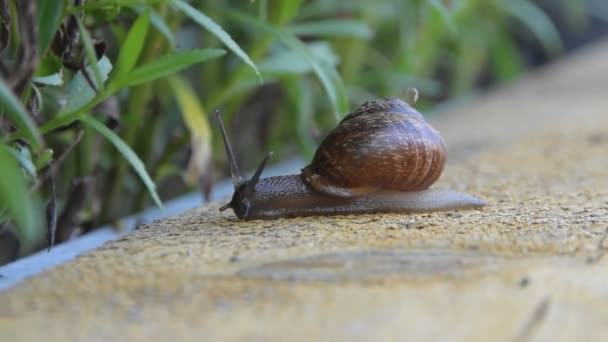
(381, 158)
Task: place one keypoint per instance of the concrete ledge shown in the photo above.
(529, 266)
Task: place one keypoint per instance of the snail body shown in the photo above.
(381, 158)
(272, 201)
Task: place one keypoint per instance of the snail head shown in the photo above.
(244, 190)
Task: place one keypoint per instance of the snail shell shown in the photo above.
(384, 144)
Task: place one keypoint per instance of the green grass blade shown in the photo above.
(165, 65)
(206, 22)
(339, 104)
(49, 72)
(445, 14)
(576, 13)
(16, 113)
(162, 66)
(49, 14)
(341, 95)
(263, 9)
(159, 23)
(128, 154)
(100, 5)
(289, 61)
(536, 21)
(195, 118)
(14, 198)
(323, 8)
(505, 59)
(132, 45)
(333, 28)
(91, 55)
(306, 113)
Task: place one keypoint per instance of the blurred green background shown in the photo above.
(107, 105)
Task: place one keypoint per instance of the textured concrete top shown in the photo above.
(530, 266)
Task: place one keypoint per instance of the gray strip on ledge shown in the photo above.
(21, 269)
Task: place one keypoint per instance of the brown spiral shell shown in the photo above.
(384, 144)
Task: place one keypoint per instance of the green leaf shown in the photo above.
(305, 101)
(445, 14)
(129, 155)
(79, 92)
(10, 104)
(336, 80)
(237, 88)
(80, 98)
(91, 55)
(323, 8)
(166, 65)
(334, 91)
(132, 46)
(158, 22)
(283, 12)
(49, 71)
(289, 61)
(263, 10)
(44, 158)
(333, 28)
(109, 5)
(434, 29)
(14, 198)
(38, 95)
(217, 30)
(195, 118)
(536, 21)
(504, 57)
(162, 66)
(470, 60)
(49, 15)
(49, 64)
(192, 110)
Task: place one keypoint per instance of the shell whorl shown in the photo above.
(384, 144)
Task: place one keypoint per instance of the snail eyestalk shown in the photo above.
(250, 187)
(234, 170)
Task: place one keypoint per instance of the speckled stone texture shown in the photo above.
(530, 266)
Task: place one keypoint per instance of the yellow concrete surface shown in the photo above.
(530, 266)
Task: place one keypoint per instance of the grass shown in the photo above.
(119, 91)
